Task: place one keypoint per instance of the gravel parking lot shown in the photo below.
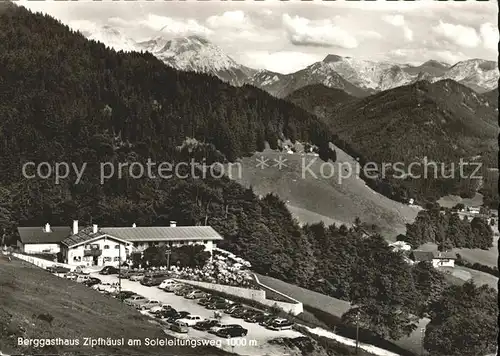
(255, 343)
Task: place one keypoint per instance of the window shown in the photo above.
(117, 246)
(106, 247)
(205, 242)
(107, 259)
(117, 259)
(87, 247)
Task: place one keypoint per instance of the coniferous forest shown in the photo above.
(66, 99)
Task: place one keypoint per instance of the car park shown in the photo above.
(267, 321)
(211, 299)
(191, 320)
(280, 324)
(196, 294)
(232, 331)
(179, 327)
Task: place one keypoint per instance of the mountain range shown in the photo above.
(355, 76)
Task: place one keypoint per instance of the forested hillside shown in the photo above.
(442, 122)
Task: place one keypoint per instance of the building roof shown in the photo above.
(163, 233)
(37, 235)
(83, 235)
(419, 256)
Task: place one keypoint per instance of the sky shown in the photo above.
(287, 36)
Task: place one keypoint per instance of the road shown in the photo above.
(254, 344)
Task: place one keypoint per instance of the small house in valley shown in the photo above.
(437, 259)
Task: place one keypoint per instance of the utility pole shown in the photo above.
(357, 332)
(120, 271)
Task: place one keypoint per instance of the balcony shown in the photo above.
(92, 252)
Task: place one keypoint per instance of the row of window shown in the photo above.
(170, 243)
(96, 247)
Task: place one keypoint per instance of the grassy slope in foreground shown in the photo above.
(312, 200)
(77, 311)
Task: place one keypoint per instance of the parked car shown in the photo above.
(280, 324)
(166, 282)
(179, 327)
(82, 270)
(152, 280)
(242, 313)
(58, 269)
(124, 294)
(211, 299)
(191, 320)
(105, 287)
(183, 291)
(173, 287)
(134, 299)
(232, 308)
(268, 321)
(217, 328)
(196, 294)
(81, 278)
(218, 305)
(167, 314)
(136, 277)
(71, 276)
(233, 331)
(179, 315)
(257, 317)
(159, 308)
(92, 281)
(149, 304)
(207, 324)
(108, 270)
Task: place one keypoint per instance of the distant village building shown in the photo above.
(400, 246)
(438, 259)
(94, 246)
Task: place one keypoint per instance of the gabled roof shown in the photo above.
(87, 235)
(163, 233)
(419, 256)
(83, 235)
(37, 235)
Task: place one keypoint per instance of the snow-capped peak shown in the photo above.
(111, 37)
(193, 53)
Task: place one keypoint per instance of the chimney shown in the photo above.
(47, 227)
(173, 223)
(94, 229)
(134, 225)
(75, 227)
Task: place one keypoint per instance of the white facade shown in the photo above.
(443, 262)
(41, 248)
(112, 251)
